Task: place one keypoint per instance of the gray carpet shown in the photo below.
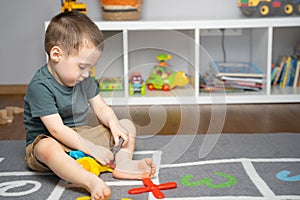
(239, 166)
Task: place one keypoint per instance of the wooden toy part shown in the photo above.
(7, 114)
(155, 189)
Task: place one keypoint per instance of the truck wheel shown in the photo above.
(150, 86)
(288, 8)
(297, 9)
(264, 10)
(248, 12)
(166, 87)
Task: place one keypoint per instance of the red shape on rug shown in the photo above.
(155, 189)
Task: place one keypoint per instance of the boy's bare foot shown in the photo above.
(98, 189)
(135, 169)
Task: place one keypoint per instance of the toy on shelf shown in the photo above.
(162, 58)
(93, 73)
(269, 7)
(70, 5)
(232, 77)
(121, 9)
(110, 84)
(136, 84)
(155, 189)
(164, 78)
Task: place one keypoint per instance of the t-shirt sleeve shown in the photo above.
(41, 100)
(91, 88)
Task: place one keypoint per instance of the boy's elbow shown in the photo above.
(56, 130)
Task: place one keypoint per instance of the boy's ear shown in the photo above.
(56, 54)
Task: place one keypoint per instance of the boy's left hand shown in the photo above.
(118, 131)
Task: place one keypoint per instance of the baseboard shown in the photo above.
(13, 89)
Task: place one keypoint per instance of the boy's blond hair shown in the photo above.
(72, 31)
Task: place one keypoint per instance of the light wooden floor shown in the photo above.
(201, 119)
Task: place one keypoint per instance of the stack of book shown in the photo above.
(232, 77)
(286, 73)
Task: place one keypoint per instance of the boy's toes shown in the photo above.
(153, 171)
(107, 193)
(149, 163)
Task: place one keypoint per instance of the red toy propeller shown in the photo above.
(155, 189)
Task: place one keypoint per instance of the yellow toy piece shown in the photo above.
(70, 5)
(93, 166)
(84, 198)
(93, 73)
(89, 198)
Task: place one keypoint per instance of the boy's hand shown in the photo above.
(118, 131)
(102, 154)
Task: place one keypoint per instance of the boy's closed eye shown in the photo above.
(83, 66)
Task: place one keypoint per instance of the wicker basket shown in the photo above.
(121, 9)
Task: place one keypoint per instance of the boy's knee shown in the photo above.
(129, 126)
(42, 150)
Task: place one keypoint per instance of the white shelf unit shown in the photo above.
(129, 44)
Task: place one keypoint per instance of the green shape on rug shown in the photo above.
(186, 181)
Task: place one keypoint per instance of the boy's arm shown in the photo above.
(70, 138)
(107, 116)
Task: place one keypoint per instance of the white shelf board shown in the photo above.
(214, 99)
(262, 99)
(151, 100)
(199, 24)
(112, 94)
(183, 92)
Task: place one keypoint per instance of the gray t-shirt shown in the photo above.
(45, 96)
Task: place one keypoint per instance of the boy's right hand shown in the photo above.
(101, 154)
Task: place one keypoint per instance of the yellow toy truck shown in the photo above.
(269, 7)
(70, 5)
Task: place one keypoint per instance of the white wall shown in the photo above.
(22, 27)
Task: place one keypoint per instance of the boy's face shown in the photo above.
(72, 69)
